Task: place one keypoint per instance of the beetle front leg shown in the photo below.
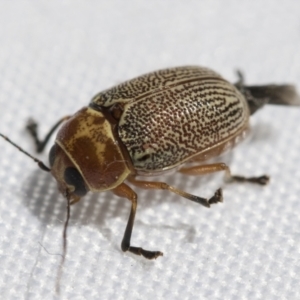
(210, 168)
(125, 191)
(32, 128)
(151, 185)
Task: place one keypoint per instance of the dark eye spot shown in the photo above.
(74, 178)
(52, 155)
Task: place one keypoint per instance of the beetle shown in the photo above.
(168, 120)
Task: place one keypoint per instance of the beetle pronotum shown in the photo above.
(148, 126)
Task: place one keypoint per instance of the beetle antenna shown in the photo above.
(39, 162)
(63, 257)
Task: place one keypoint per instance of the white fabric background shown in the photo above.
(53, 58)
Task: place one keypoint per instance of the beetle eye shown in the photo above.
(74, 178)
(52, 155)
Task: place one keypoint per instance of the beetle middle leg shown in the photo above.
(210, 168)
(32, 128)
(125, 191)
(151, 185)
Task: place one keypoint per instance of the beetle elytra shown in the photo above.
(150, 125)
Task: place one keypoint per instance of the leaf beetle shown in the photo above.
(150, 125)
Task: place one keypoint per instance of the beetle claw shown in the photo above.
(217, 197)
(31, 123)
(151, 254)
(32, 126)
(263, 180)
(147, 254)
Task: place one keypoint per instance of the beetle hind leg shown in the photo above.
(125, 191)
(151, 185)
(140, 251)
(210, 168)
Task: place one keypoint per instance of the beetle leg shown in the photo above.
(258, 96)
(210, 168)
(32, 127)
(125, 191)
(150, 185)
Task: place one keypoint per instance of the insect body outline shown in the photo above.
(151, 125)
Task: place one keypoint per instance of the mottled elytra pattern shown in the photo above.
(175, 114)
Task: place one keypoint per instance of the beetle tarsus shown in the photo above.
(261, 180)
(32, 128)
(264, 179)
(145, 253)
(217, 197)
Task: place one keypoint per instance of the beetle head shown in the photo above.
(87, 156)
(69, 180)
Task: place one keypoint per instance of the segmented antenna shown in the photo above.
(39, 162)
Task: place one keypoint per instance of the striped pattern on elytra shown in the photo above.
(171, 116)
(136, 88)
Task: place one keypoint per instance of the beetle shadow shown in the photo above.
(44, 201)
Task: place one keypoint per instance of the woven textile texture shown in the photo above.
(54, 56)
